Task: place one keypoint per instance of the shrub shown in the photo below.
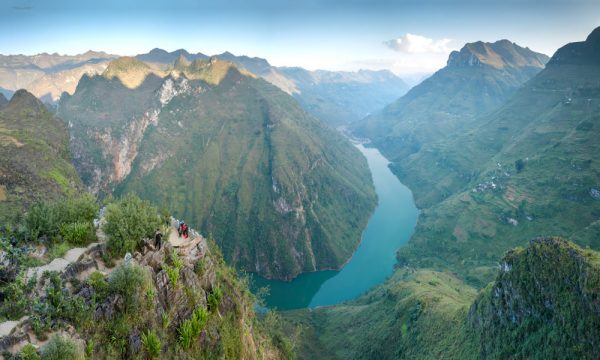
(128, 281)
(60, 348)
(166, 320)
(89, 348)
(198, 320)
(16, 297)
(152, 344)
(186, 334)
(214, 298)
(77, 209)
(99, 283)
(57, 306)
(47, 218)
(29, 352)
(78, 233)
(190, 329)
(173, 271)
(172, 274)
(128, 221)
(41, 219)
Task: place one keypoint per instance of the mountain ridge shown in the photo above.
(451, 99)
(248, 151)
(35, 163)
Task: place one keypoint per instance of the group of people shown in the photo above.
(182, 230)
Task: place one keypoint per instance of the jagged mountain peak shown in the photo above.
(212, 70)
(130, 71)
(182, 62)
(500, 54)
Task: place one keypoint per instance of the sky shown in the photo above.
(409, 37)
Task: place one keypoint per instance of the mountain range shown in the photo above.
(335, 97)
(476, 79)
(470, 283)
(47, 76)
(228, 152)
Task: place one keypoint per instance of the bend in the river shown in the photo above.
(390, 226)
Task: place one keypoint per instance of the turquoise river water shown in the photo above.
(390, 226)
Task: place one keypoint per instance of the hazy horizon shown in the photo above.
(409, 37)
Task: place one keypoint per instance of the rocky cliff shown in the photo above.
(544, 303)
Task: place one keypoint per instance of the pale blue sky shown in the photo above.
(331, 34)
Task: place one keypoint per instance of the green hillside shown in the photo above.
(542, 305)
(528, 169)
(231, 154)
(35, 162)
(477, 79)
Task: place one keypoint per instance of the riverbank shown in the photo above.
(390, 226)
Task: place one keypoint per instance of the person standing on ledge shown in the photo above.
(157, 239)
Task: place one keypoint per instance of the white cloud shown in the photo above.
(417, 44)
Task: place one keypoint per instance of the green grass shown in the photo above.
(416, 314)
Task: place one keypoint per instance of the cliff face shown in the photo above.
(229, 153)
(545, 302)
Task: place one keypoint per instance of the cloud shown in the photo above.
(417, 44)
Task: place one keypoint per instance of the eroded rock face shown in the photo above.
(114, 148)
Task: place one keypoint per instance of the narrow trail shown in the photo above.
(75, 254)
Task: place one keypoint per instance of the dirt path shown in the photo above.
(60, 264)
(8, 326)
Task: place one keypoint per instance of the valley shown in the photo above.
(333, 213)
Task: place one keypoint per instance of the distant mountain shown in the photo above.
(527, 169)
(48, 75)
(335, 97)
(165, 58)
(542, 304)
(229, 153)
(35, 162)
(477, 79)
(340, 98)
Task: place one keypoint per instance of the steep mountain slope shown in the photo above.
(543, 304)
(529, 169)
(48, 75)
(230, 153)
(3, 101)
(477, 79)
(35, 162)
(335, 97)
(179, 301)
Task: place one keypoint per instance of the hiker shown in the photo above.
(185, 231)
(179, 227)
(157, 239)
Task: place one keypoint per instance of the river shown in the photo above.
(390, 226)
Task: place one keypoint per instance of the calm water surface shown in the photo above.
(390, 226)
